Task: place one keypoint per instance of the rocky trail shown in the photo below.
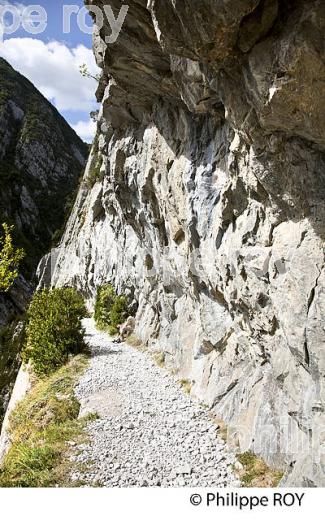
(150, 432)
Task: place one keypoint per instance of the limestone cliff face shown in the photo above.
(204, 200)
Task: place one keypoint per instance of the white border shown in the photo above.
(146, 503)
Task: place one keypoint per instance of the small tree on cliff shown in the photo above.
(10, 259)
(84, 71)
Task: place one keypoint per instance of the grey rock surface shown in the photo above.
(208, 209)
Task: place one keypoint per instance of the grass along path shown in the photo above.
(43, 427)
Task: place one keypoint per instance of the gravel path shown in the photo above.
(150, 433)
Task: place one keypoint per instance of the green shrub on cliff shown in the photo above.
(54, 329)
(111, 310)
(95, 174)
(10, 258)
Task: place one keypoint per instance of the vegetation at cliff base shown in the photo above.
(10, 259)
(111, 310)
(43, 429)
(54, 330)
(256, 473)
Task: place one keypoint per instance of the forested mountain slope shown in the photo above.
(41, 160)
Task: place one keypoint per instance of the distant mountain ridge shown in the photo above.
(41, 162)
(41, 159)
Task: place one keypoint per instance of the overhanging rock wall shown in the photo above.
(204, 201)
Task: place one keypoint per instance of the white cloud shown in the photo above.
(54, 69)
(20, 6)
(85, 129)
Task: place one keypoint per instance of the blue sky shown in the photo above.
(51, 61)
